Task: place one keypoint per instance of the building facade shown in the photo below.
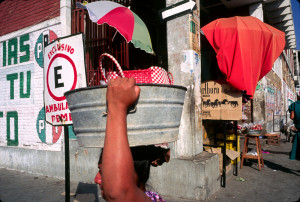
(28, 143)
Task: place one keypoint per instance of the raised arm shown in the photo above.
(118, 175)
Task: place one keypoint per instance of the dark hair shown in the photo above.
(142, 169)
(142, 158)
(149, 152)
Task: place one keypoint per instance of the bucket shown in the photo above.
(156, 118)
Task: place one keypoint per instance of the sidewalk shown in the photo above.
(25, 187)
(278, 181)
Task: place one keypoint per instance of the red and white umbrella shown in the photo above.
(128, 24)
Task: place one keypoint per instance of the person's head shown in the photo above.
(244, 118)
(143, 158)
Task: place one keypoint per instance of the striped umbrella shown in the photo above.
(128, 24)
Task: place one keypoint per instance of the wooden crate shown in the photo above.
(273, 139)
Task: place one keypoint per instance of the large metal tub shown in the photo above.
(156, 119)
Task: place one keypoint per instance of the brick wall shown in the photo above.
(16, 15)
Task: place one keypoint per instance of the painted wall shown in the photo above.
(259, 105)
(279, 94)
(27, 142)
(21, 79)
(272, 97)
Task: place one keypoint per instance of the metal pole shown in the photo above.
(235, 172)
(224, 156)
(67, 164)
(252, 110)
(273, 120)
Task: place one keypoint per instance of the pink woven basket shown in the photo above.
(153, 74)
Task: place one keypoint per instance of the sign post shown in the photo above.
(178, 9)
(67, 164)
(64, 70)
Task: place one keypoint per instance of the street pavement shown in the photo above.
(278, 181)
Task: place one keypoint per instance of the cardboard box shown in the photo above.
(230, 156)
(220, 101)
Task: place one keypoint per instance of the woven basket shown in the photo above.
(153, 74)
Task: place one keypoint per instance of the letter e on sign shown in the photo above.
(61, 76)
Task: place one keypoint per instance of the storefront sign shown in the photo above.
(220, 101)
(177, 9)
(194, 34)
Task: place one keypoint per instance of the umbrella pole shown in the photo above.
(114, 36)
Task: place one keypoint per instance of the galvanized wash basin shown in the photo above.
(156, 119)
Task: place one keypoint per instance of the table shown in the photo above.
(245, 154)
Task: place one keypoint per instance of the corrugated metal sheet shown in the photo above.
(18, 14)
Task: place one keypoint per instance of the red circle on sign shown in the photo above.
(75, 75)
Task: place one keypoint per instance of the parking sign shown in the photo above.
(64, 70)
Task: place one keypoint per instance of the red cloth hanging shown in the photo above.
(246, 49)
